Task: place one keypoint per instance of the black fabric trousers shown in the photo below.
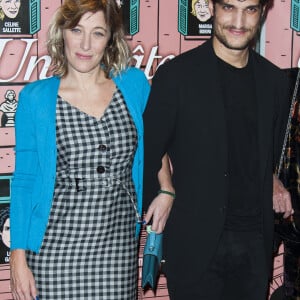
(237, 272)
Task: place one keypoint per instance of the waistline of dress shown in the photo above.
(80, 185)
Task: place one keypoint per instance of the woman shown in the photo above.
(79, 163)
(9, 8)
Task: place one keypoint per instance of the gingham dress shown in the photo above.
(89, 250)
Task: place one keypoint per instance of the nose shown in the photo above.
(85, 42)
(238, 19)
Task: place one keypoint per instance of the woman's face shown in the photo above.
(202, 10)
(5, 234)
(10, 7)
(85, 44)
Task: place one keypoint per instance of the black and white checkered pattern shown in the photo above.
(89, 250)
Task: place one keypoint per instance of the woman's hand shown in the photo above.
(21, 278)
(159, 211)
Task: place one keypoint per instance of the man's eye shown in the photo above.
(227, 7)
(252, 10)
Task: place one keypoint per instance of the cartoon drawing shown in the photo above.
(195, 18)
(201, 10)
(125, 7)
(9, 107)
(14, 17)
(130, 12)
(5, 235)
(200, 18)
(9, 8)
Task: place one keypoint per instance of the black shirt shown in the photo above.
(238, 87)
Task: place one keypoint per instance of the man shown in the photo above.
(220, 112)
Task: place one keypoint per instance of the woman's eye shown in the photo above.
(99, 33)
(75, 30)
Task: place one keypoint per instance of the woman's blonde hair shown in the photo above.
(2, 14)
(117, 53)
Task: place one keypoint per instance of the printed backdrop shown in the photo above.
(157, 31)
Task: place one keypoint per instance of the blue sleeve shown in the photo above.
(26, 163)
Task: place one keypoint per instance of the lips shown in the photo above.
(236, 31)
(83, 56)
(13, 12)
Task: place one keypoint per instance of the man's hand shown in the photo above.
(281, 199)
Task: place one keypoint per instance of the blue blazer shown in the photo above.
(35, 171)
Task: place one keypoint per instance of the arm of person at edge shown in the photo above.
(21, 278)
(281, 199)
(161, 205)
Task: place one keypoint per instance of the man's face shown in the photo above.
(236, 23)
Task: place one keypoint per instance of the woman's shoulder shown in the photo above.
(41, 84)
(134, 85)
(132, 79)
(132, 73)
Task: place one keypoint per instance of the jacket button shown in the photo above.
(100, 169)
(225, 174)
(102, 147)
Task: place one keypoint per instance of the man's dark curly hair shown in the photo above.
(262, 2)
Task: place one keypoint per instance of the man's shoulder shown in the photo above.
(264, 63)
(189, 59)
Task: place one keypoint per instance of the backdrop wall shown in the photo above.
(158, 30)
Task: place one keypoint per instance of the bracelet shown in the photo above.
(168, 193)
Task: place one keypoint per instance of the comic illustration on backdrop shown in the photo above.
(195, 18)
(130, 11)
(8, 108)
(4, 234)
(19, 17)
(200, 18)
